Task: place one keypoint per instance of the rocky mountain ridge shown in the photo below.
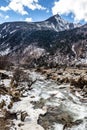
(53, 41)
(55, 23)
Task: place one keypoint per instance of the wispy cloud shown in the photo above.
(77, 7)
(4, 16)
(19, 6)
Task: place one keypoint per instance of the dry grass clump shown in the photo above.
(80, 83)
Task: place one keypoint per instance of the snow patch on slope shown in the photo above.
(5, 52)
(13, 31)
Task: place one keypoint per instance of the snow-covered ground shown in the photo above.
(52, 95)
(44, 89)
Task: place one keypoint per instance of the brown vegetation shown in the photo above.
(5, 63)
(80, 83)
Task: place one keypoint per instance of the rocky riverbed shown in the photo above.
(45, 99)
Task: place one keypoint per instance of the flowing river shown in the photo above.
(50, 106)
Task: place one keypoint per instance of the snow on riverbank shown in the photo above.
(53, 96)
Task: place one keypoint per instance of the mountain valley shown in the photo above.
(43, 75)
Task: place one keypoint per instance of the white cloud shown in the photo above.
(18, 6)
(28, 19)
(4, 8)
(77, 7)
(6, 17)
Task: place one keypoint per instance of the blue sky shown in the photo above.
(39, 10)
